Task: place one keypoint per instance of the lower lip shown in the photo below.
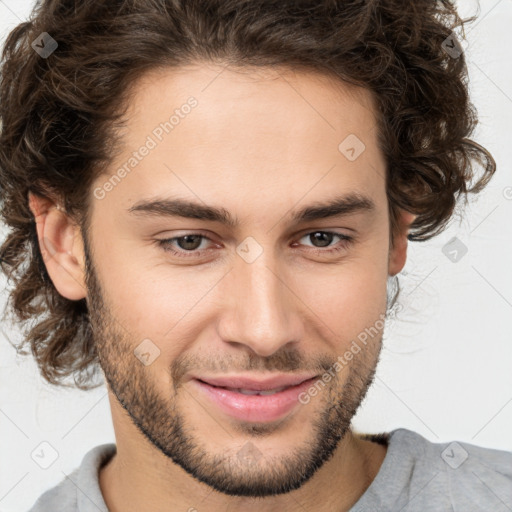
(255, 408)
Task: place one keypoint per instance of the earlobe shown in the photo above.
(61, 254)
(398, 253)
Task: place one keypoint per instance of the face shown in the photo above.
(184, 305)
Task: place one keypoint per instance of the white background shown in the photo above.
(445, 370)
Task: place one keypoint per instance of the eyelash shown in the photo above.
(166, 244)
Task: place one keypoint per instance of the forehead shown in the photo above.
(277, 131)
(272, 96)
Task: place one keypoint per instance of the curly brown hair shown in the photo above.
(59, 113)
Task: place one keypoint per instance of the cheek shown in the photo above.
(155, 301)
(347, 299)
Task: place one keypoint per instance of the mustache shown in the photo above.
(289, 361)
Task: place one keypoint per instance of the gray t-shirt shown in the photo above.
(416, 475)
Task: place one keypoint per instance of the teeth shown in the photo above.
(255, 392)
(245, 391)
(272, 391)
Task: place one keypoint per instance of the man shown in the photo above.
(218, 194)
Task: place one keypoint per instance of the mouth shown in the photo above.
(263, 392)
(251, 400)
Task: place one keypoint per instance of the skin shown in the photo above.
(261, 144)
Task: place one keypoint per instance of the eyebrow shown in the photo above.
(348, 204)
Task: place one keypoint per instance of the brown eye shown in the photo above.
(324, 238)
(189, 242)
(184, 246)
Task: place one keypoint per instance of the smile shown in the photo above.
(253, 405)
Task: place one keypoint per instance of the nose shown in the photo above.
(263, 312)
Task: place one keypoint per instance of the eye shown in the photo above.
(325, 238)
(188, 245)
(191, 245)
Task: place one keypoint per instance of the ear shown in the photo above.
(60, 243)
(398, 252)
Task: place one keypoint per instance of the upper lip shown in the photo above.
(251, 383)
